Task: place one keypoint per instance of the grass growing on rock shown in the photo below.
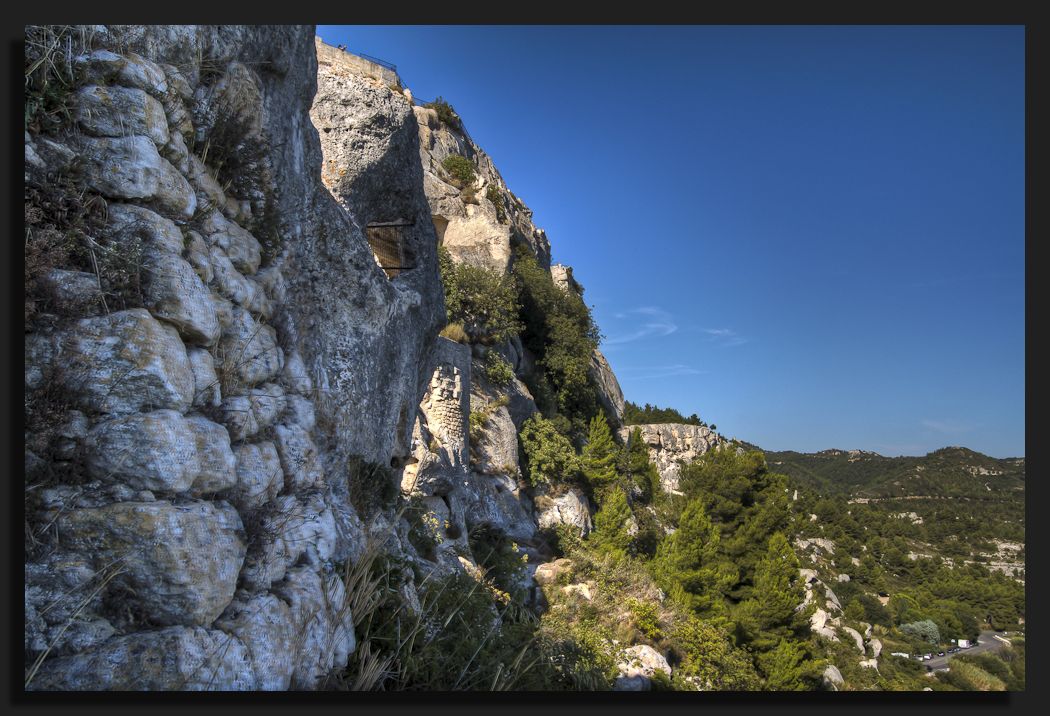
(455, 332)
(49, 75)
(373, 488)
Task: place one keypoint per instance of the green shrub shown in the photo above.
(482, 301)
(874, 611)
(660, 681)
(549, 456)
(575, 655)
(563, 539)
(460, 169)
(708, 655)
(498, 556)
(559, 331)
(987, 662)
(925, 629)
(854, 610)
(790, 668)
(497, 369)
(493, 195)
(445, 113)
(969, 677)
(646, 617)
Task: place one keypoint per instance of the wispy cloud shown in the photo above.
(655, 322)
(725, 336)
(947, 427)
(646, 372)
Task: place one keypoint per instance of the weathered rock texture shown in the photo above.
(213, 423)
(639, 665)
(671, 444)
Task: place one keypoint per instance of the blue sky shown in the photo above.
(812, 237)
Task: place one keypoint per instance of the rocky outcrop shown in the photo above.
(481, 223)
(638, 667)
(671, 444)
(857, 638)
(609, 392)
(832, 678)
(563, 279)
(362, 336)
(570, 508)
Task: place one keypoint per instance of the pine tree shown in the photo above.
(772, 614)
(612, 521)
(789, 668)
(599, 455)
(855, 611)
(687, 562)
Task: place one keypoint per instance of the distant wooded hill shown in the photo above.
(949, 472)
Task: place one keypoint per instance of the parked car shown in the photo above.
(927, 657)
(940, 653)
(954, 650)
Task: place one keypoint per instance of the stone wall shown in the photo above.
(328, 55)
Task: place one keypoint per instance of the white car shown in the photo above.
(927, 657)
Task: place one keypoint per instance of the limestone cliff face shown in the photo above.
(189, 503)
(481, 223)
(191, 457)
(671, 444)
(346, 310)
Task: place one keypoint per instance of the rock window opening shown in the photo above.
(387, 239)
